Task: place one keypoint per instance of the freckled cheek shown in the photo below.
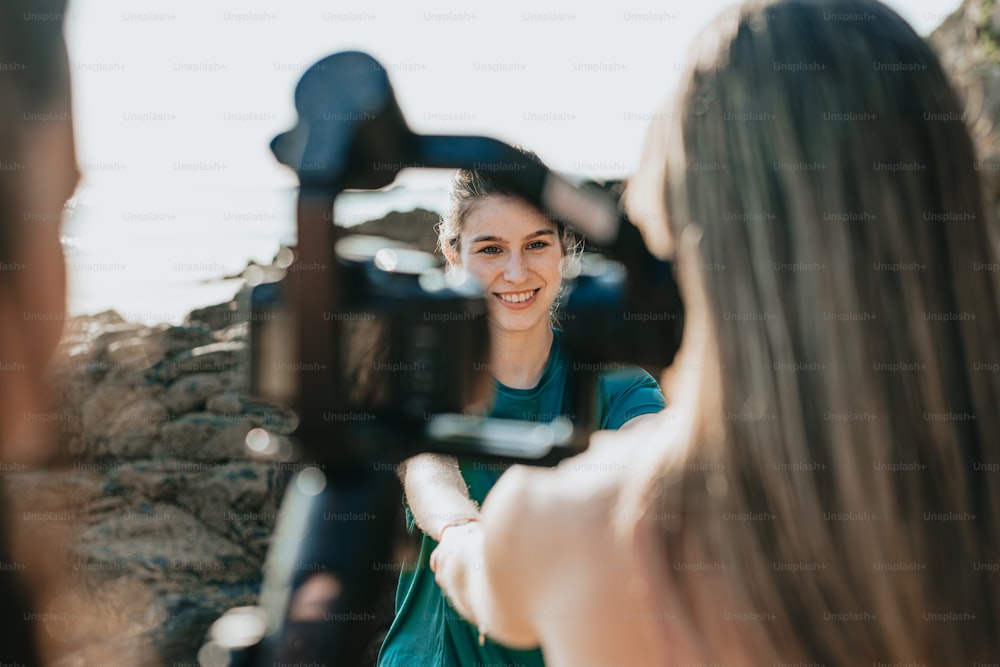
(481, 271)
(548, 267)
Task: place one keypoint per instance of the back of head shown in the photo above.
(843, 480)
(33, 85)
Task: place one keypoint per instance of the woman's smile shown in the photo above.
(517, 300)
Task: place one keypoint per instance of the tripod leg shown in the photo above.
(320, 589)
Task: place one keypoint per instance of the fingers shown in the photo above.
(434, 560)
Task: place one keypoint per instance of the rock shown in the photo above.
(236, 332)
(275, 418)
(150, 345)
(214, 317)
(226, 403)
(137, 352)
(235, 501)
(100, 412)
(191, 391)
(164, 546)
(158, 480)
(178, 339)
(213, 358)
(222, 315)
(99, 333)
(415, 227)
(132, 431)
(968, 44)
(81, 363)
(203, 436)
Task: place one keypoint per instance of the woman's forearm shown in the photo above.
(436, 492)
(489, 570)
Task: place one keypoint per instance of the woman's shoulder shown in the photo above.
(619, 378)
(627, 392)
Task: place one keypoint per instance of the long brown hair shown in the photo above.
(839, 500)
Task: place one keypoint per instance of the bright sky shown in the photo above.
(193, 90)
(176, 102)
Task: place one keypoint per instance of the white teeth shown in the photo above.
(517, 298)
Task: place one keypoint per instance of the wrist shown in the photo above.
(461, 521)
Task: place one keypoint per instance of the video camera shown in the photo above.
(382, 353)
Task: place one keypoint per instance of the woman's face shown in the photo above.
(516, 254)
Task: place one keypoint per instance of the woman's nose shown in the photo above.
(516, 269)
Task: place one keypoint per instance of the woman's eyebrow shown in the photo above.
(497, 239)
(492, 239)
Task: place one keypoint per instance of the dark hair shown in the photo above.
(32, 45)
(35, 80)
(821, 150)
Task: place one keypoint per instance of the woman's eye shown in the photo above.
(490, 250)
(538, 244)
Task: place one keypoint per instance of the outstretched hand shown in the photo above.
(457, 563)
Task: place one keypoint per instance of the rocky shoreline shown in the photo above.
(169, 517)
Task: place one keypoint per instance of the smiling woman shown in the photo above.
(518, 255)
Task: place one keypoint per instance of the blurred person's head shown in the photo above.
(517, 253)
(834, 504)
(37, 177)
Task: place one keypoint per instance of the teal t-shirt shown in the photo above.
(427, 631)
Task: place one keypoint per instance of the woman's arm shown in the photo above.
(649, 417)
(436, 492)
(489, 571)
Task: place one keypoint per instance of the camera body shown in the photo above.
(410, 343)
(408, 340)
